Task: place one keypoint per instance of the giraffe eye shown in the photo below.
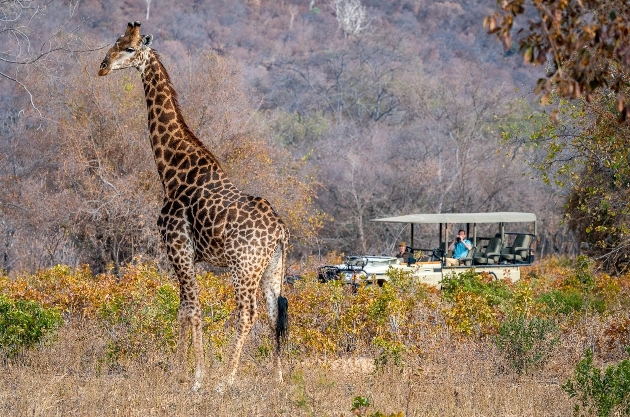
(130, 50)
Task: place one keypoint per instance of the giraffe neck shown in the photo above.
(171, 139)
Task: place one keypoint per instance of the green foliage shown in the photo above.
(471, 313)
(472, 282)
(562, 302)
(23, 324)
(391, 352)
(360, 407)
(600, 393)
(159, 318)
(301, 398)
(526, 343)
(403, 282)
(586, 153)
(580, 291)
(475, 300)
(335, 319)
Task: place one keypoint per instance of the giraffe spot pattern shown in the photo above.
(204, 216)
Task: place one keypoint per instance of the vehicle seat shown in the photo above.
(468, 259)
(519, 251)
(445, 250)
(492, 254)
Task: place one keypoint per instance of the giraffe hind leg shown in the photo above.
(277, 305)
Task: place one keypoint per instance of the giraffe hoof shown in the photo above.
(220, 388)
(196, 387)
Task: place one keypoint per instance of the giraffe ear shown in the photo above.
(147, 40)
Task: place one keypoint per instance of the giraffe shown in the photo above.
(204, 216)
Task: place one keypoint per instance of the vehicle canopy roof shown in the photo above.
(496, 217)
(443, 219)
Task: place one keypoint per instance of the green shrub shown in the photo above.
(360, 406)
(390, 352)
(526, 343)
(474, 283)
(562, 302)
(580, 291)
(24, 324)
(471, 314)
(475, 302)
(139, 322)
(601, 394)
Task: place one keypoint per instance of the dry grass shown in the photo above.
(117, 363)
(71, 377)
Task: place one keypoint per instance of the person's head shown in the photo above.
(461, 233)
(402, 246)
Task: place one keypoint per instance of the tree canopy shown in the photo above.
(585, 44)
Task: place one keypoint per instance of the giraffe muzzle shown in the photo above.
(104, 68)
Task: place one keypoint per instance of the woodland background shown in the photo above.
(336, 120)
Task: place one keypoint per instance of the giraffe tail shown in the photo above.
(282, 324)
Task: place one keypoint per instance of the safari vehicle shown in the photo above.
(500, 255)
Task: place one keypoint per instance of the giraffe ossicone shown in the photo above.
(204, 216)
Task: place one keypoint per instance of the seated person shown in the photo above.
(460, 247)
(404, 253)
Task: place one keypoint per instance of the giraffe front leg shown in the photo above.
(181, 256)
(190, 322)
(246, 307)
(198, 349)
(182, 346)
(187, 323)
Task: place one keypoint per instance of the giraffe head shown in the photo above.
(130, 50)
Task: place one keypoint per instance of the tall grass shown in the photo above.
(398, 347)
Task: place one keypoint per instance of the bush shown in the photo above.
(562, 302)
(475, 283)
(471, 314)
(526, 343)
(23, 324)
(475, 299)
(360, 406)
(600, 394)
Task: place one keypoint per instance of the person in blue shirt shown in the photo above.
(460, 247)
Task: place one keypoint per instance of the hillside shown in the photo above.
(403, 116)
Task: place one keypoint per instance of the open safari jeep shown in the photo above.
(501, 255)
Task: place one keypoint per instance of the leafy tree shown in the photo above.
(587, 44)
(585, 157)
